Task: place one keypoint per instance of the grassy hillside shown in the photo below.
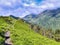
(21, 34)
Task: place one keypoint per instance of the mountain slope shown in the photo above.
(47, 19)
(21, 34)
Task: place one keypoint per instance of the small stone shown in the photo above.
(7, 34)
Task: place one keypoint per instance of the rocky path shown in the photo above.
(7, 36)
(8, 39)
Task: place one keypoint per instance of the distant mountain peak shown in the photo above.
(48, 19)
(14, 17)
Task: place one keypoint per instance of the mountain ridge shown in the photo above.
(47, 19)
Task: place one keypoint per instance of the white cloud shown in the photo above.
(52, 3)
(24, 14)
(47, 6)
(26, 4)
(8, 3)
(20, 8)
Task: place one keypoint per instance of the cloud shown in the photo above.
(22, 8)
(52, 3)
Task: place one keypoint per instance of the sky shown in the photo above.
(21, 8)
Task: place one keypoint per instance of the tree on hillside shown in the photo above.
(57, 35)
(49, 33)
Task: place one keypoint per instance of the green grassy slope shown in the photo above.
(21, 34)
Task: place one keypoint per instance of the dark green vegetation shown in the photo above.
(49, 33)
(21, 33)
